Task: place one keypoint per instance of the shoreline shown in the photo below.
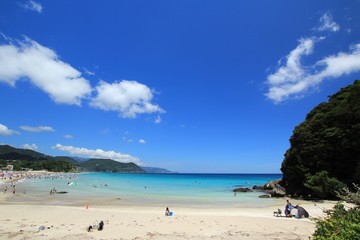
(65, 217)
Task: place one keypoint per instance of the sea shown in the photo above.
(186, 190)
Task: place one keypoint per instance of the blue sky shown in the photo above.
(191, 86)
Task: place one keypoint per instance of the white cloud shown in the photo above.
(293, 69)
(158, 119)
(30, 146)
(98, 153)
(284, 86)
(33, 6)
(88, 72)
(328, 24)
(37, 129)
(128, 98)
(4, 130)
(43, 68)
(142, 141)
(68, 136)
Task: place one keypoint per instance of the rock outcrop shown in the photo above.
(241, 189)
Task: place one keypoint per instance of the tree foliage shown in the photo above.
(349, 196)
(328, 140)
(341, 224)
(322, 185)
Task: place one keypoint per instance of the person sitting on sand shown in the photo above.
(101, 226)
(288, 208)
(90, 228)
(167, 212)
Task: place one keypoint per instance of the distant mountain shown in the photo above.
(29, 159)
(108, 165)
(25, 158)
(68, 159)
(155, 170)
(11, 153)
(79, 159)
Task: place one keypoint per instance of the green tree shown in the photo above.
(341, 224)
(328, 140)
(321, 185)
(349, 196)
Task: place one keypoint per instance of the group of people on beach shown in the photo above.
(12, 177)
(301, 212)
(99, 227)
(13, 188)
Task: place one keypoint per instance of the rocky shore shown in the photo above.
(271, 189)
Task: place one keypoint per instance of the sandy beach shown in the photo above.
(23, 219)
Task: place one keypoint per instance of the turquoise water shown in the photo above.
(155, 189)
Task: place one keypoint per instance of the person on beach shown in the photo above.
(5, 190)
(167, 212)
(288, 208)
(90, 228)
(101, 226)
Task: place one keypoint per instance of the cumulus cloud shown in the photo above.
(33, 6)
(30, 146)
(98, 153)
(284, 85)
(43, 68)
(37, 129)
(128, 98)
(328, 24)
(142, 141)
(4, 130)
(68, 136)
(64, 84)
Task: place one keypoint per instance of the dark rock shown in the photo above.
(276, 189)
(265, 196)
(241, 189)
(260, 188)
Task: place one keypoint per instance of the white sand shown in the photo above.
(21, 218)
(23, 222)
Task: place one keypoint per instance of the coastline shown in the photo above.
(23, 216)
(23, 221)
